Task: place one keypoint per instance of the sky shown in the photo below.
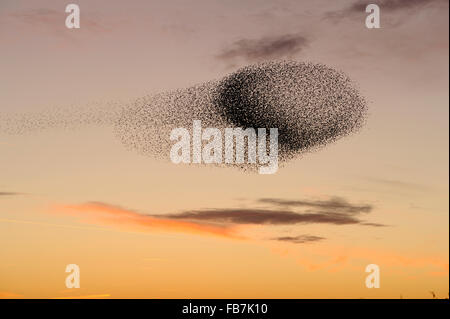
(142, 228)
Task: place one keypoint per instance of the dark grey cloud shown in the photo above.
(373, 224)
(264, 217)
(392, 5)
(266, 48)
(10, 194)
(335, 204)
(277, 212)
(336, 211)
(301, 239)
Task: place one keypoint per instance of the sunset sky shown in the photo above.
(143, 228)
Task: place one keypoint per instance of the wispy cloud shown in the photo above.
(386, 6)
(334, 256)
(227, 222)
(266, 48)
(45, 224)
(265, 217)
(335, 210)
(10, 194)
(9, 295)
(301, 239)
(335, 204)
(398, 184)
(100, 296)
(112, 215)
(392, 5)
(52, 21)
(373, 224)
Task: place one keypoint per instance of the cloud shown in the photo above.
(112, 215)
(266, 48)
(226, 222)
(336, 204)
(391, 5)
(301, 239)
(33, 222)
(265, 216)
(100, 296)
(386, 6)
(373, 224)
(334, 256)
(336, 210)
(53, 21)
(40, 16)
(398, 184)
(10, 194)
(9, 295)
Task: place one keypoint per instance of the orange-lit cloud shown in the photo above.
(85, 297)
(105, 214)
(329, 257)
(334, 257)
(9, 295)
